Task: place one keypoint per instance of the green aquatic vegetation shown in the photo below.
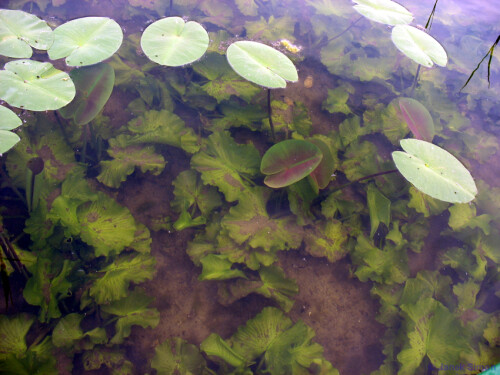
(176, 355)
(126, 159)
(327, 239)
(19, 31)
(35, 85)
(220, 14)
(435, 171)
(113, 359)
(9, 121)
(464, 216)
(272, 29)
(217, 267)
(272, 339)
(289, 161)
(86, 41)
(418, 118)
(379, 207)
(94, 85)
(227, 165)
(384, 11)
(69, 334)
(173, 42)
(336, 102)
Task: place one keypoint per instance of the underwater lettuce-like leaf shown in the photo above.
(177, 356)
(217, 267)
(258, 333)
(106, 225)
(327, 239)
(361, 159)
(379, 207)
(434, 332)
(126, 159)
(249, 221)
(225, 164)
(271, 29)
(131, 310)
(67, 333)
(463, 215)
(336, 102)
(189, 191)
(425, 204)
(277, 286)
(386, 119)
(117, 277)
(214, 345)
(163, 127)
(13, 330)
(47, 286)
(113, 359)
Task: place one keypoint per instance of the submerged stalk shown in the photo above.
(270, 113)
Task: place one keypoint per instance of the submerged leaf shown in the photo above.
(379, 207)
(177, 356)
(217, 267)
(418, 118)
(13, 332)
(327, 239)
(9, 121)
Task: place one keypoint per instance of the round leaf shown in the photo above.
(418, 118)
(86, 41)
(94, 85)
(384, 11)
(435, 171)
(419, 46)
(8, 121)
(35, 85)
(289, 161)
(20, 30)
(173, 42)
(261, 64)
(323, 173)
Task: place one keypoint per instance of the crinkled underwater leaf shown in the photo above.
(249, 221)
(384, 11)
(379, 207)
(163, 127)
(289, 161)
(223, 162)
(126, 159)
(34, 85)
(214, 345)
(327, 239)
(13, 330)
(419, 46)
(173, 42)
(106, 225)
(86, 40)
(9, 121)
(435, 171)
(131, 310)
(19, 31)
(117, 277)
(177, 356)
(418, 118)
(94, 85)
(261, 64)
(217, 267)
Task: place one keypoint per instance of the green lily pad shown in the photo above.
(384, 11)
(9, 121)
(35, 85)
(261, 64)
(86, 41)
(419, 46)
(418, 118)
(435, 171)
(94, 85)
(173, 42)
(19, 31)
(289, 161)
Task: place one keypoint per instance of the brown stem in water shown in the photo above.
(270, 113)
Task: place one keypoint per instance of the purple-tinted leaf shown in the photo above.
(418, 118)
(289, 161)
(323, 172)
(94, 85)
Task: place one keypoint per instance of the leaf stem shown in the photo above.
(270, 113)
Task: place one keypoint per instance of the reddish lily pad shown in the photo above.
(418, 118)
(94, 85)
(289, 161)
(322, 175)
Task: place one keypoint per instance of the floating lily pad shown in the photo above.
(323, 173)
(418, 118)
(435, 171)
(173, 42)
(384, 11)
(9, 121)
(94, 85)
(419, 46)
(86, 41)
(289, 161)
(261, 64)
(19, 31)
(35, 85)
